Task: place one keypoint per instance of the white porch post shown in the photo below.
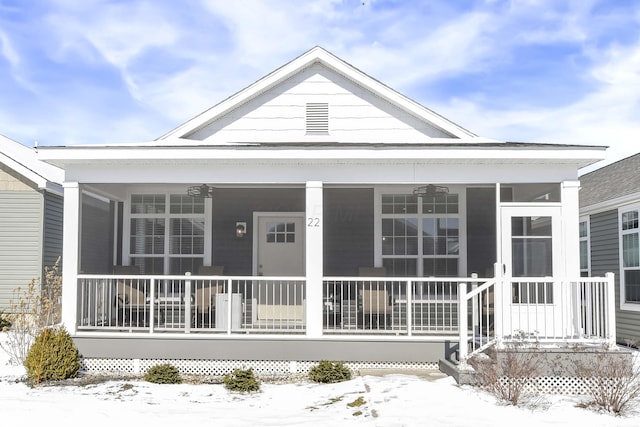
(571, 255)
(313, 257)
(70, 248)
(571, 228)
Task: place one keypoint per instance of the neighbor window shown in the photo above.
(584, 248)
(630, 259)
(420, 235)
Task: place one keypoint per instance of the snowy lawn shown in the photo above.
(389, 400)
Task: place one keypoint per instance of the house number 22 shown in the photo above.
(313, 222)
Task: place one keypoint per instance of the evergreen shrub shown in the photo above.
(329, 372)
(53, 356)
(242, 380)
(163, 374)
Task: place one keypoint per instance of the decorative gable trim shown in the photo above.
(319, 55)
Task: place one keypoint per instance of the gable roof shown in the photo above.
(24, 161)
(318, 55)
(611, 183)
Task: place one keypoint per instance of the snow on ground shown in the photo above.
(390, 400)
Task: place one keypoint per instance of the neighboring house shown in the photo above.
(30, 217)
(610, 235)
(318, 214)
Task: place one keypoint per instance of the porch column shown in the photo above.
(571, 228)
(70, 247)
(313, 257)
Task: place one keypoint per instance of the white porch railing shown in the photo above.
(398, 306)
(478, 311)
(215, 304)
(537, 310)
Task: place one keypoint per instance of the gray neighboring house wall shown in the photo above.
(31, 206)
(609, 213)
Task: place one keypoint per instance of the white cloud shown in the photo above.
(7, 50)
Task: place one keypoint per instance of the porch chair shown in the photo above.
(205, 296)
(374, 300)
(130, 298)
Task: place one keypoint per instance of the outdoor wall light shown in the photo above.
(241, 229)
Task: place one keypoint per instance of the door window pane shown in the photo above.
(281, 232)
(531, 257)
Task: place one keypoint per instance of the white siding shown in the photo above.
(355, 114)
(20, 241)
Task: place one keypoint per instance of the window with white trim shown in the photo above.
(630, 256)
(167, 233)
(585, 259)
(420, 235)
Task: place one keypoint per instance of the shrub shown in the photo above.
(163, 374)
(612, 383)
(32, 309)
(329, 372)
(505, 374)
(5, 323)
(52, 356)
(241, 380)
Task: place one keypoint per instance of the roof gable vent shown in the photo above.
(317, 118)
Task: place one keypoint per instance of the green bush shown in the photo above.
(5, 323)
(52, 356)
(241, 380)
(163, 374)
(329, 372)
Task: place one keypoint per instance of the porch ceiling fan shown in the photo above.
(430, 190)
(201, 191)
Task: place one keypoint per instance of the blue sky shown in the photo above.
(98, 71)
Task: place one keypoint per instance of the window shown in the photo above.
(585, 260)
(281, 232)
(630, 259)
(167, 233)
(420, 235)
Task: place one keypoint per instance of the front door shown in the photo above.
(531, 257)
(280, 244)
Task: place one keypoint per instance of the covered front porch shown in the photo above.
(459, 266)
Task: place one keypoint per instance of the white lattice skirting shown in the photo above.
(223, 367)
(540, 385)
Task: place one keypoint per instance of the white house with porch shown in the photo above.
(319, 214)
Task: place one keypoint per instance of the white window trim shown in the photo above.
(624, 305)
(460, 190)
(586, 219)
(126, 229)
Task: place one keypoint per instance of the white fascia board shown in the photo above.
(23, 161)
(69, 155)
(307, 59)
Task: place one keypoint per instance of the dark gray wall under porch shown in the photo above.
(195, 347)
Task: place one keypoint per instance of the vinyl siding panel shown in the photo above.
(52, 242)
(604, 259)
(20, 241)
(355, 114)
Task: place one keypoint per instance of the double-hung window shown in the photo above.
(167, 233)
(420, 235)
(630, 258)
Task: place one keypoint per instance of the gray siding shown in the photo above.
(96, 241)
(348, 230)
(605, 258)
(52, 241)
(21, 233)
(231, 205)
